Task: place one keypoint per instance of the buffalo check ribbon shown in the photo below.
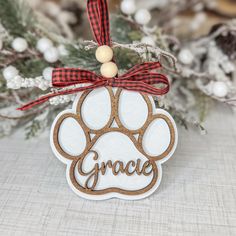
(98, 15)
(141, 78)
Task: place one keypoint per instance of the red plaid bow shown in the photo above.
(140, 78)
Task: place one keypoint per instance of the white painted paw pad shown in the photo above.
(113, 143)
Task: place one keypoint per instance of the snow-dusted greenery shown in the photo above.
(203, 72)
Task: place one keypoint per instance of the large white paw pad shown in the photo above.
(113, 143)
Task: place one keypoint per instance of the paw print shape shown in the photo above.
(113, 142)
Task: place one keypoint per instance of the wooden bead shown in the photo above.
(104, 54)
(109, 70)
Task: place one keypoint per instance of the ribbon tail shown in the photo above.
(145, 87)
(151, 90)
(36, 102)
(46, 98)
(142, 68)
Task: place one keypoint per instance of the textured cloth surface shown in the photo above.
(197, 195)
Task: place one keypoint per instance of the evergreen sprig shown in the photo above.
(33, 129)
(126, 59)
(32, 67)
(16, 17)
(124, 31)
(79, 57)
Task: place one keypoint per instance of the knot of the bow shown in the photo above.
(110, 82)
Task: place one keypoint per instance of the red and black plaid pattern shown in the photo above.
(140, 79)
(99, 20)
(64, 77)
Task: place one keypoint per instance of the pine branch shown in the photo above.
(16, 17)
(203, 106)
(126, 59)
(79, 57)
(33, 129)
(32, 67)
(123, 30)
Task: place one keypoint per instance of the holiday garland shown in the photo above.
(29, 52)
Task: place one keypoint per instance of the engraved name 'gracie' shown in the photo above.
(116, 167)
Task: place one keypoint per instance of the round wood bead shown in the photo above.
(109, 69)
(104, 54)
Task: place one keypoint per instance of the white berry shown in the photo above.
(142, 16)
(128, 7)
(47, 73)
(51, 55)
(148, 40)
(186, 57)
(104, 54)
(220, 89)
(15, 83)
(10, 72)
(43, 86)
(19, 44)
(109, 70)
(62, 50)
(44, 44)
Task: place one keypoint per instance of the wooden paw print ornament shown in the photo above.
(113, 140)
(113, 143)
